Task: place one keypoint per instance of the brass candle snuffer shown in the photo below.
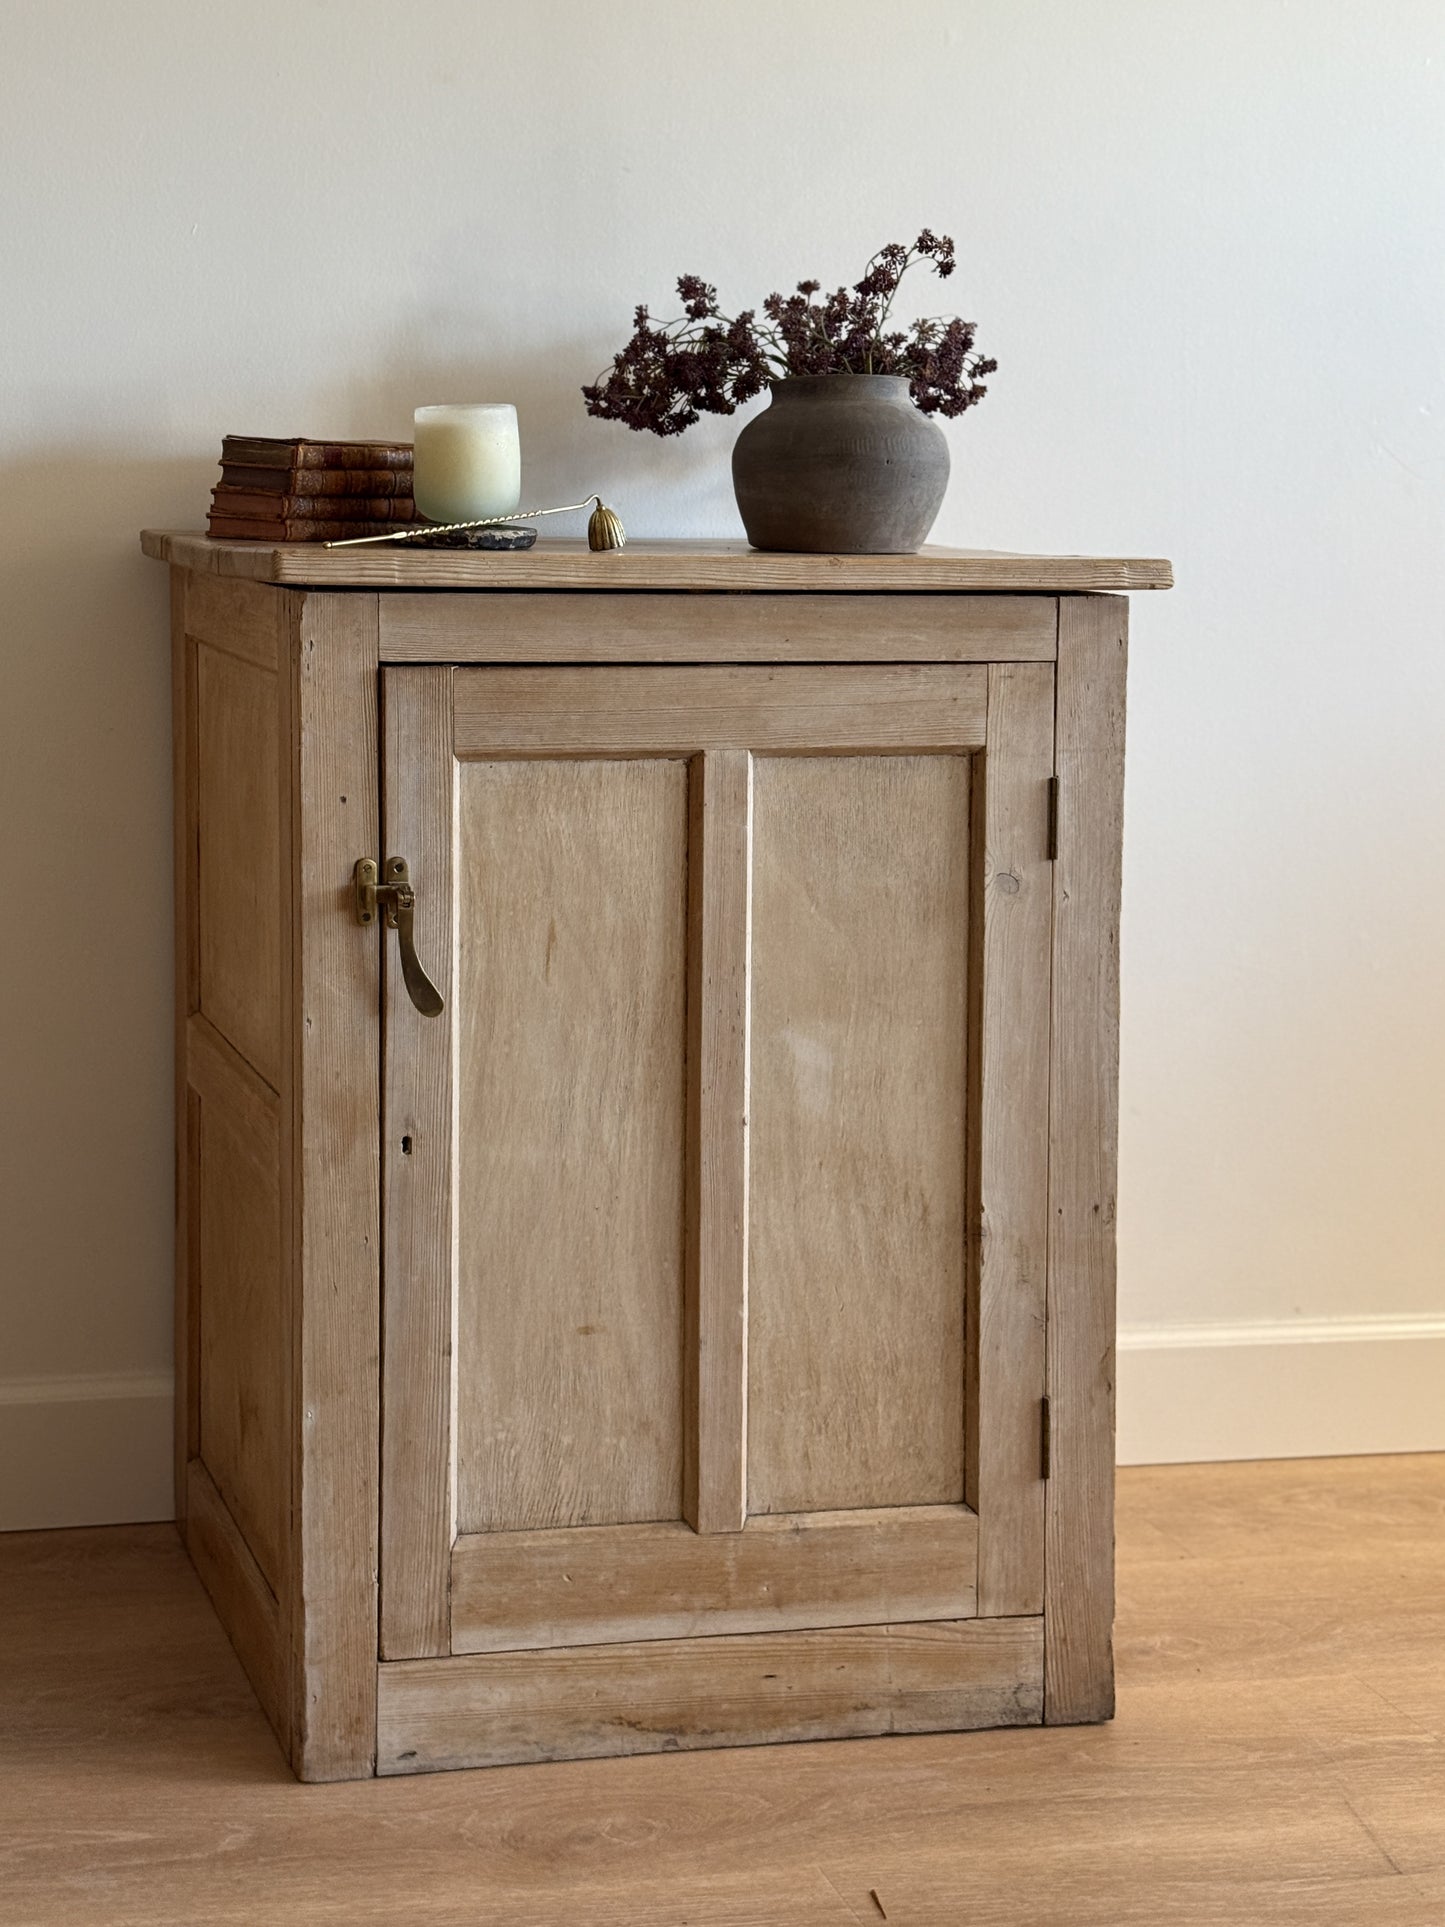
(604, 526)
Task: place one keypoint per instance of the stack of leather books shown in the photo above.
(277, 490)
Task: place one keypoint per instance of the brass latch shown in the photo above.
(396, 899)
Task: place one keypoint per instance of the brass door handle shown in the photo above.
(396, 899)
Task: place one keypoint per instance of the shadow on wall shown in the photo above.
(680, 486)
(85, 969)
(85, 978)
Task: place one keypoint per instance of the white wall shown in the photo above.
(1206, 242)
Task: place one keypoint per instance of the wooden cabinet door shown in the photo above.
(715, 1201)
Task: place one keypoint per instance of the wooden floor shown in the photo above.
(1279, 1757)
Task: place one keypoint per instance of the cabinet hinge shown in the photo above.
(1046, 1442)
(1053, 819)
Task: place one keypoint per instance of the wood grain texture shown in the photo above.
(571, 908)
(1009, 1139)
(595, 1585)
(856, 1260)
(715, 1341)
(1083, 1132)
(239, 854)
(241, 1296)
(672, 712)
(1278, 1759)
(684, 565)
(287, 1364)
(184, 856)
(579, 1702)
(538, 626)
(219, 1073)
(243, 618)
(337, 1229)
(245, 1602)
(418, 1520)
(233, 1283)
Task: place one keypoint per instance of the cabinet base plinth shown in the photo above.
(659, 1696)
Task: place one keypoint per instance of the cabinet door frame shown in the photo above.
(1003, 716)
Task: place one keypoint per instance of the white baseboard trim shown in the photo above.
(1287, 1389)
(85, 1451)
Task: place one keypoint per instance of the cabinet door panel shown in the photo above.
(856, 1253)
(688, 1212)
(518, 1589)
(571, 903)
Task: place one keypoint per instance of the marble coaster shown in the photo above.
(515, 538)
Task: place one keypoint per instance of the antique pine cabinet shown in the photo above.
(699, 1330)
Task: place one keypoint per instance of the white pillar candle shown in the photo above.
(468, 461)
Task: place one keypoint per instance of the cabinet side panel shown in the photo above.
(184, 833)
(571, 939)
(1083, 1131)
(234, 1345)
(242, 1302)
(856, 1260)
(242, 617)
(244, 1602)
(238, 895)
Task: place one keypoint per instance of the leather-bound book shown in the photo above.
(241, 528)
(295, 452)
(311, 482)
(261, 505)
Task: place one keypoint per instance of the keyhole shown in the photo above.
(406, 1147)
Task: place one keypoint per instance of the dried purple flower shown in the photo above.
(667, 376)
(698, 299)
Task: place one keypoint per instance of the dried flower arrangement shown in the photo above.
(703, 362)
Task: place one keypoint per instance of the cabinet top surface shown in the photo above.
(680, 565)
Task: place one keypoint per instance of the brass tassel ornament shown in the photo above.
(604, 527)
